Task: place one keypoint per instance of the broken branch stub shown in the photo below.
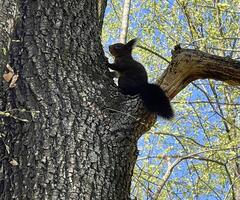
(188, 65)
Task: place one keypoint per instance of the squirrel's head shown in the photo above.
(121, 50)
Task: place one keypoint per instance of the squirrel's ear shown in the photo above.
(132, 43)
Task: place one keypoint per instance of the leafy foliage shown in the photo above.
(195, 156)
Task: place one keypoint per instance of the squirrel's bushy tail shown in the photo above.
(156, 101)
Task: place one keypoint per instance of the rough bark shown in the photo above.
(79, 141)
(81, 135)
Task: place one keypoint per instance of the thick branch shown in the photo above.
(188, 65)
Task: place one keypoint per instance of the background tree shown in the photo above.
(66, 130)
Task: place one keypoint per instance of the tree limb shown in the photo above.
(188, 65)
(125, 21)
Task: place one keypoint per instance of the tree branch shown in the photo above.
(188, 65)
(125, 21)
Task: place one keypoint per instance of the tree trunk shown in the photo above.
(236, 178)
(79, 141)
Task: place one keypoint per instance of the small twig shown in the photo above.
(153, 52)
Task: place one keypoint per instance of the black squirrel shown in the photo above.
(133, 80)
